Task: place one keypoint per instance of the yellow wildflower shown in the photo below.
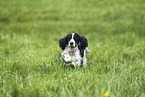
(30, 83)
(27, 57)
(106, 94)
(40, 84)
(65, 78)
(70, 75)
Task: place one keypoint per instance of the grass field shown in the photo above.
(29, 51)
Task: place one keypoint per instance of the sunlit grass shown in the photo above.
(29, 50)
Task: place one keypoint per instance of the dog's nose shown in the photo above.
(71, 43)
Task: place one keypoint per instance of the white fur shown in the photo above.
(87, 50)
(72, 57)
(72, 40)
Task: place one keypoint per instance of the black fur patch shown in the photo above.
(62, 43)
(84, 42)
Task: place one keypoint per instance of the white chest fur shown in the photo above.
(71, 56)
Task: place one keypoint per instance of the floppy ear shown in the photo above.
(84, 42)
(63, 43)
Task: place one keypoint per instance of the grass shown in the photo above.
(29, 51)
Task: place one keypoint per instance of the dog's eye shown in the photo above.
(69, 37)
(74, 37)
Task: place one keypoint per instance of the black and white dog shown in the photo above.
(74, 49)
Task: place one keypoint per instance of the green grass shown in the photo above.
(29, 51)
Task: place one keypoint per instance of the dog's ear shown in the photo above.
(63, 43)
(84, 42)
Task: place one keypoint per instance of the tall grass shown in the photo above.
(29, 51)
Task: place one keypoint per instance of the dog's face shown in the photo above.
(73, 39)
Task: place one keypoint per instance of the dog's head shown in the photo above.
(73, 40)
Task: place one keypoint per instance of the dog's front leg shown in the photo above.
(78, 63)
(84, 59)
(74, 64)
(84, 62)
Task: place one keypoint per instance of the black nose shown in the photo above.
(71, 43)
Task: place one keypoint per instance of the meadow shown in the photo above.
(29, 49)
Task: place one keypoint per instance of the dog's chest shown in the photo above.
(72, 53)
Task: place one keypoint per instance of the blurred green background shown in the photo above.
(29, 50)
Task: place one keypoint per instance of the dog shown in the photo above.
(74, 49)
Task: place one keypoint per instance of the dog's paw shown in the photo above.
(66, 57)
(87, 51)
